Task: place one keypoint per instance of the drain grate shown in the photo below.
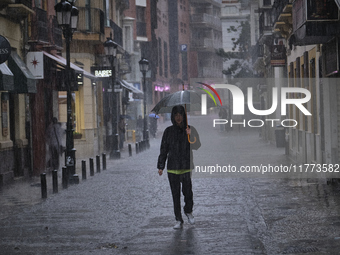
(294, 250)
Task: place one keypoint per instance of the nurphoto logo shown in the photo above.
(238, 105)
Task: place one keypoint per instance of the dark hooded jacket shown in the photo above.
(175, 146)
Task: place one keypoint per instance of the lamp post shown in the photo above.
(144, 67)
(67, 16)
(110, 48)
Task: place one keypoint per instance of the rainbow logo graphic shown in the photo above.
(209, 93)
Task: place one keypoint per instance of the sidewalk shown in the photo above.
(25, 192)
(127, 209)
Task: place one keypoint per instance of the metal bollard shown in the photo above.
(91, 167)
(75, 179)
(55, 181)
(130, 149)
(98, 163)
(137, 148)
(43, 185)
(1, 181)
(65, 177)
(104, 161)
(83, 170)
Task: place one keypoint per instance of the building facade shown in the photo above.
(294, 49)
(206, 38)
(17, 83)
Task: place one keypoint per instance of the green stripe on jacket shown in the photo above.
(183, 171)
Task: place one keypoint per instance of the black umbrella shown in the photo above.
(190, 99)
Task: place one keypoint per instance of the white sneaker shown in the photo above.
(178, 225)
(191, 218)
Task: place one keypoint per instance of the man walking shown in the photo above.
(176, 149)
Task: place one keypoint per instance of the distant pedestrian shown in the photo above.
(153, 126)
(176, 149)
(54, 141)
(122, 130)
(140, 125)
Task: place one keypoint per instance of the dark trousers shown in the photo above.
(54, 161)
(175, 181)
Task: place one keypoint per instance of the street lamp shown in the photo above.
(110, 48)
(67, 17)
(144, 67)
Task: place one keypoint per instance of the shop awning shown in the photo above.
(6, 78)
(24, 81)
(62, 62)
(129, 86)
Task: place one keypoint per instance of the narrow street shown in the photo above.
(127, 209)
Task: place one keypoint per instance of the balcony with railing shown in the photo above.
(125, 64)
(117, 33)
(281, 9)
(44, 29)
(282, 16)
(90, 24)
(215, 2)
(257, 52)
(39, 26)
(265, 4)
(206, 44)
(206, 20)
(211, 72)
(26, 3)
(56, 33)
(265, 23)
(17, 9)
(314, 22)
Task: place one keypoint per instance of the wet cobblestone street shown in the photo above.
(127, 209)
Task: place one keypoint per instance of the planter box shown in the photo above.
(77, 136)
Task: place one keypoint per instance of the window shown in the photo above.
(88, 15)
(267, 2)
(140, 18)
(165, 60)
(140, 13)
(230, 10)
(127, 41)
(160, 57)
(107, 12)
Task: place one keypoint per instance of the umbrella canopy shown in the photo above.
(190, 98)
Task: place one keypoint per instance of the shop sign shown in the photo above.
(102, 72)
(278, 55)
(5, 49)
(35, 63)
